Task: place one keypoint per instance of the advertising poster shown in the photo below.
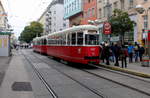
(5, 40)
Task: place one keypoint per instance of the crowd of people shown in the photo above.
(121, 52)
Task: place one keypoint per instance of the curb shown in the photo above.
(140, 74)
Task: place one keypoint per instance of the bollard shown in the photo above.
(145, 61)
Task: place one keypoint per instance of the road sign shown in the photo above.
(107, 28)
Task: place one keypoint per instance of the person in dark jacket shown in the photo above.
(107, 53)
(124, 55)
(141, 52)
(117, 54)
(103, 53)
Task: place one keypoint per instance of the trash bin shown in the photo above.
(145, 61)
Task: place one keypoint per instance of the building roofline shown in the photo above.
(54, 2)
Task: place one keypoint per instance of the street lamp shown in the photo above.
(140, 9)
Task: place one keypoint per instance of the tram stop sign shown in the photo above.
(107, 28)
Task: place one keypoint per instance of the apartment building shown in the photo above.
(105, 9)
(53, 17)
(89, 11)
(42, 20)
(3, 19)
(73, 11)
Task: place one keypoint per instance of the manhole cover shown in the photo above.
(21, 86)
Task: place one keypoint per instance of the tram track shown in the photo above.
(120, 73)
(119, 83)
(48, 87)
(80, 83)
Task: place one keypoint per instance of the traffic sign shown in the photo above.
(107, 28)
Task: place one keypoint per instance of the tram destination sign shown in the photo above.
(107, 28)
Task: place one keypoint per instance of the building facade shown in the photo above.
(3, 19)
(73, 11)
(4, 34)
(55, 17)
(42, 20)
(105, 10)
(89, 11)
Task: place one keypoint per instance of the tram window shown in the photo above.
(73, 39)
(91, 39)
(69, 39)
(44, 41)
(80, 38)
(64, 40)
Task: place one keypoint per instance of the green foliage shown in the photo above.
(31, 31)
(121, 23)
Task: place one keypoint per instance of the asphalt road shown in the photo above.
(66, 87)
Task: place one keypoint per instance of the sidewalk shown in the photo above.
(16, 77)
(134, 68)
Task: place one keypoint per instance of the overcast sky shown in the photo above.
(22, 12)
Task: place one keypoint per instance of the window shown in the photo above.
(45, 42)
(54, 12)
(122, 4)
(131, 4)
(92, 39)
(89, 11)
(69, 39)
(85, 14)
(115, 5)
(80, 38)
(100, 13)
(73, 39)
(93, 12)
(145, 18)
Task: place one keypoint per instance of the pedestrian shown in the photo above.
(136, 51)
(130, 52)
(112, 57)
(103, 53)
(141, 52)
(124, 55)
(117, 54)
(107, 53)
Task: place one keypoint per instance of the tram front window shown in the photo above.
(92, 39)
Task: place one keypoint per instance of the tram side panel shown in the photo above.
(77, 54)
(43, 49)
(37, 48)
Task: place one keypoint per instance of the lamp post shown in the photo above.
(140, 9)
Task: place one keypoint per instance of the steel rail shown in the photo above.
(50, 90)
(127, 86)
(83, 85)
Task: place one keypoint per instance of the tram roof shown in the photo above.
(75, 29)
(38, 38)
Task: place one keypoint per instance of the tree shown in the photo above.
(31, 31)
(121, 23)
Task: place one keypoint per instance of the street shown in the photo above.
(75, 80)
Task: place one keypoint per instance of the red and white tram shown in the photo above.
(79, 44)
(40, 44)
